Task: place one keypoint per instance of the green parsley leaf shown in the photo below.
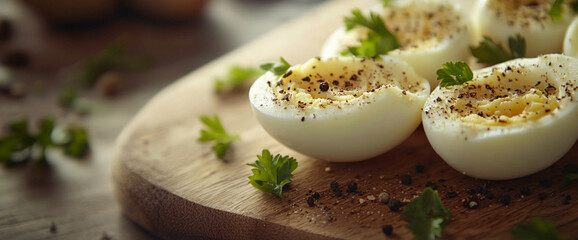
(43, 138)
(555, 11)
(70, 101)
(278, 67)
(454, 74)
(115, 57)
(271, 173)
(491, 52)
(217, 133)
(77, 146)
(537, 229)
(385, 3)
(236, 77)
(67, 97)
(426, 215)
(517, 46)
(570, 172)
(16, 145)
(378, 41)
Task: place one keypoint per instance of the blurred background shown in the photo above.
(93, 64)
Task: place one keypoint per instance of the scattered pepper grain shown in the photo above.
(387, 229)
(406, 179)
(351, 187)
(394, 205)
(504, 199)
(310, 201)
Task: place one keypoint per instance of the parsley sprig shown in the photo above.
(426, 215)
(555, 11)
(235, 78)
(535, 230)
(271, 173)
(277, 67)
(491, 52)
(217, 133)
(379, 39)
(454, 74)
(19, 143)
(238, 75)
(385, 3)
(114, 57)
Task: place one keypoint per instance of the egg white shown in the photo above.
(370, 106)
(501, 125)
(431, 33)
(499, 20)
(571, 39)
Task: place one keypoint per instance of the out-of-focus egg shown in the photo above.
(341, 109)
(172, 10)
(430, 33)
(499, 20)
(571, 39)
(513, 119)
(68, 12)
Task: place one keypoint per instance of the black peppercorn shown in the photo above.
(335, 189)
(419, 168)
(394, 205)
(387, 229)
(451, 194)
(310, 201)
(504, 199)
(324, 86)
(351, 187)
(406, 179)
(316, 195)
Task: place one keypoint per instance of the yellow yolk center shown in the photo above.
(510, 102)
(321, 83)
(523, 12)
(417, 26)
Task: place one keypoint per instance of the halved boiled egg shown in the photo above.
(499, 20)
(341, 109)
(571, 39)
(513, 119)
(430, 32)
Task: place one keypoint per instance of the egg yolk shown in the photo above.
(526, 13)
(510, 102)
(320, 83)
(421, 27)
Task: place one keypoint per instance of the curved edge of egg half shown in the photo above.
(571, 39)
(512, 150)
(545, 37)
(453, 47)
(344, 131)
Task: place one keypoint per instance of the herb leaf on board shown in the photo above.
(271, 173)
(426, 215)
(537, 229)
(215, 131)
(236, 77)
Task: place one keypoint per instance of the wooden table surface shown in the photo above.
(73, 199)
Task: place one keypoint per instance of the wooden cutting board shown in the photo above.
(176, 188)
